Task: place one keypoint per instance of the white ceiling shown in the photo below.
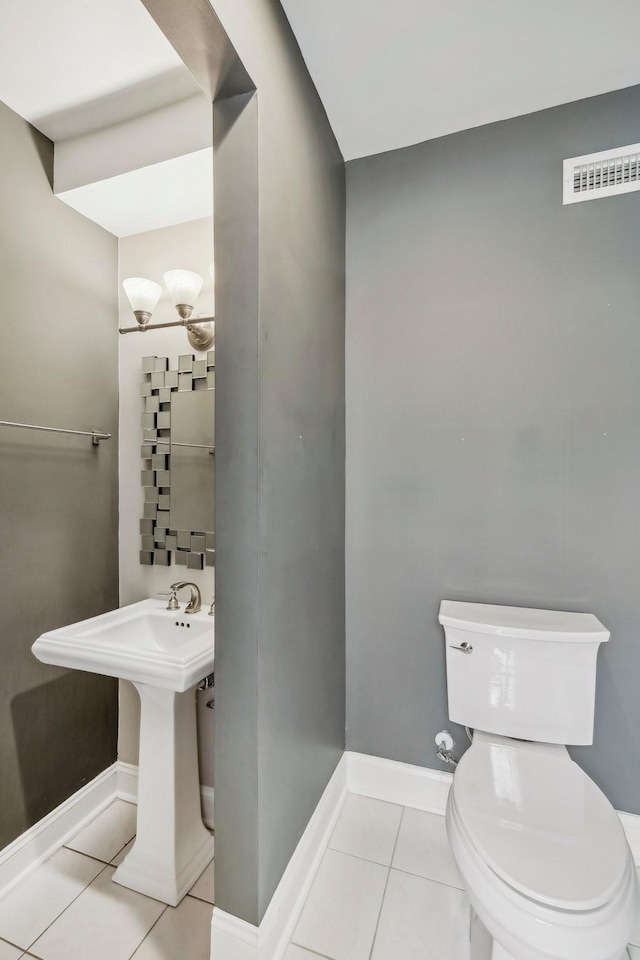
(390, 73)
(158, 195)
(396, 72)
(66, 62)
(73, 68)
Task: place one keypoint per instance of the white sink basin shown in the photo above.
(142, 642)
(165, 653)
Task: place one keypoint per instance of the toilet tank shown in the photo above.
(522, 673)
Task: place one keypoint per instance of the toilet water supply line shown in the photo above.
(445, 744)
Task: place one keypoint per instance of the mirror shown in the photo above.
(178, 451)
(191, 504)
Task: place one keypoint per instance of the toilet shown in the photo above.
(541, 851)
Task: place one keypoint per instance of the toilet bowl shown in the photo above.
(542, 853)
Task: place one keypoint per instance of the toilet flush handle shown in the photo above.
(464, 647)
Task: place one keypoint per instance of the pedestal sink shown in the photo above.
(165, 654)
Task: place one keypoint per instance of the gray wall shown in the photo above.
(493, 416)
(279, 226)
(280, 660)
(58, 555)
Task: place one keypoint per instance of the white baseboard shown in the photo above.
(395, 782)
(45, 837)
(235, 939)
(427, 789)
(402, 783)
(127, 781)
(39, 842)
(128, 790)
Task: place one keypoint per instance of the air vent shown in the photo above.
(601, 174)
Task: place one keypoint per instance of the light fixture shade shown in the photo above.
(184, 286)
(143, 295)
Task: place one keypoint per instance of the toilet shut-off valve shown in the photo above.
(445, 745)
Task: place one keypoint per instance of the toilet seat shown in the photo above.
(530, 930)
(539, 823)
(520, 872)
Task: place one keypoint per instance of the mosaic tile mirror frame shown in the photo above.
(160, 543)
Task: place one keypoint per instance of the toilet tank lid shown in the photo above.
(522, 622)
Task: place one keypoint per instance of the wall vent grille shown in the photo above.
(601, 174)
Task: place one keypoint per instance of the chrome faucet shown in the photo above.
(195, 601)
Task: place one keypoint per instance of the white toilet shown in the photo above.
(541, 851)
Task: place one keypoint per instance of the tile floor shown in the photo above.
(387, 889)
(68, 908)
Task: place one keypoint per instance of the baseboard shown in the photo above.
(128, 790)
(42, 840)
(427, 789)
(402, 783)
(395, 782)
(235, 939)
(39, 842)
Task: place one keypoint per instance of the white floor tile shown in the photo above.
(340, 915)
(7, 952)
(105, 836)
(204, 887)
(423, 919)
(181, 932)
(119, 857)
(36, 902)
(299, 953)
(423, 848)
(367, 828)
(106, 922)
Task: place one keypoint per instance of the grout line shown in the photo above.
(86, 887)
(152, 927)
(315, 953)
(111, 863)
(355, 856)
(10, 943)
(194, 896)
(420, 876)
(386, 866)
(105, 865)
(384, 894)
(81, 853)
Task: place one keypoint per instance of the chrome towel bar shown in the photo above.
(96, 435)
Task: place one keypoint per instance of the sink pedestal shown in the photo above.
(164, 654)
(172, 845)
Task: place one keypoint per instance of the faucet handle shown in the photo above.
(193, 606)
(173, 599)
(212, 608)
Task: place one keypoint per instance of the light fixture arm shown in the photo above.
(186, 322)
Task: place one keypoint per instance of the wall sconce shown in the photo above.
(184, 288)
